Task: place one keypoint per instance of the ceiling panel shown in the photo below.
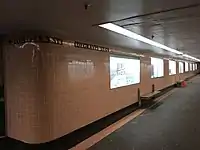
(173, 23)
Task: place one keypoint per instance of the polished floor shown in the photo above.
(173, 124)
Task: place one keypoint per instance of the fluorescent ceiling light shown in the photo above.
(125, 32)
(130, 34)
(188, 56)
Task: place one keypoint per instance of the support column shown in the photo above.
(25, 93)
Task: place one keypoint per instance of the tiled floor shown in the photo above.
(174, 125)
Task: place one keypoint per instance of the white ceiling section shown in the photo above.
(135, 36)
(172, 23)
(125, 32)
(159, 25)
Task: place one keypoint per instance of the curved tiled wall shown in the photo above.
(59, 89)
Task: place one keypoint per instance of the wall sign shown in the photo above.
(37, 39)
(90, 46)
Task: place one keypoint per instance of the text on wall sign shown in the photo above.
(90, 46)
(37, 39)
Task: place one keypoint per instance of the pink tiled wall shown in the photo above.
(61, 89)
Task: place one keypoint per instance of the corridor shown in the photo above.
(174, 125)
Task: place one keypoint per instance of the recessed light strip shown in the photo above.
(188, 56)
(125, 32)
(130, 34)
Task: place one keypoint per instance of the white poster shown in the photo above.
(124, 72)
(157, 67)
(186, 67)
(190, 66)
(172, 67)
(181, 67)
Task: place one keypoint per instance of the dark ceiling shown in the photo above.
(174, 23)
